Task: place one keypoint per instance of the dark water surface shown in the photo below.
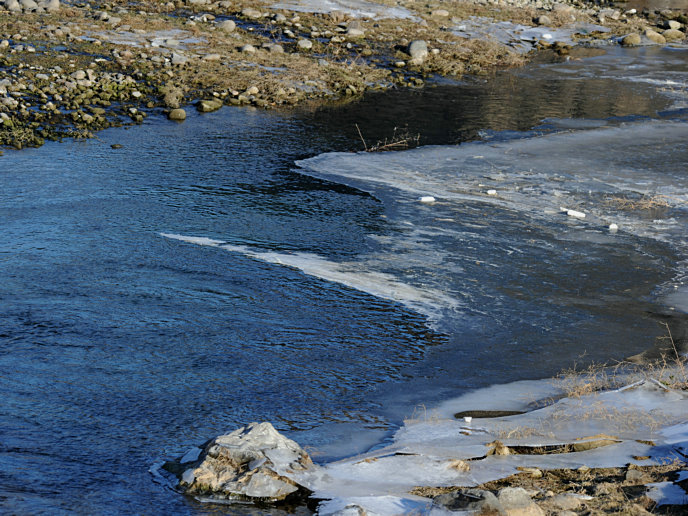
(121, 348)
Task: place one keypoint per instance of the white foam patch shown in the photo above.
(428, 302)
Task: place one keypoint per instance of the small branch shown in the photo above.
(365, 147)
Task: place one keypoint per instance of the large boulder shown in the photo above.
(253, 463)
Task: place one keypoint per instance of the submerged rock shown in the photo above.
(251, 463)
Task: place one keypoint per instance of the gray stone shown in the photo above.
(514, 497)
(276, 48)
(50, 5)
(251, 14)
(352, 33)
(543, 20)
(251, 463)
(631, 40)
(226, 25)
(28, 5)
(280, 18)
(304, 44)
(418, 49)
(179, 59)
(177, 114)
(477, 500)
(13, 6)
(439, 13)
(247, 48)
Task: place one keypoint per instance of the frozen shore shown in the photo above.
(510, 456)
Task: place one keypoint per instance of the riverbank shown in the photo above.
(602, 441)
(68, 70)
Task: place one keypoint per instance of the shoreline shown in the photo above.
(624, 455)
(89, 67)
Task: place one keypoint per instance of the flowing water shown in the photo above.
(236, 268)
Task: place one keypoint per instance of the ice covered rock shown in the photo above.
(252, 463)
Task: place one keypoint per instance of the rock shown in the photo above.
(211, 57)
(247, 48)
(439, 13)
(13, 6)
(304, 44)
(543, 20)
(79, 75)
(636, 476)
(516, 501)
(251, 14)
(352, 33)
(418, 50)
(280, 18)
(655, 37)
(673, 35)
(249, 463)
(226, 25)
(631, 40)
(177, 114)
(50, 6)
(478, 500)
(179, 59)
(275, 48)
(208, 106)
(253, 90)
(28, 5)
(612, 14)
(672, 24)
(565, 502)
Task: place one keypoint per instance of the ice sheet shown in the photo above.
(521, 37)
(354, 8)
(609, 428)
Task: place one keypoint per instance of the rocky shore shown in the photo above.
(68, 69)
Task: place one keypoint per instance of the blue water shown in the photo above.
(121, 348)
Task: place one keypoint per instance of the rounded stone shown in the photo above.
(226, 25)
(304, 44)
(655, 37)
(177, 114)
(631, 40)
(673, 35)
(418, 49)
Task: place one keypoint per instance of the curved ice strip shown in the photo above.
(355, 8)
(430, 303)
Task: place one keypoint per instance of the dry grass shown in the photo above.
(644, 202)
(401, 139)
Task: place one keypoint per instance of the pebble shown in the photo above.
(252, 14)
(418, 49)
(304, 44)
(247, 48)
(439, 13)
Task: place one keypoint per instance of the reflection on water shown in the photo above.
(121, 348)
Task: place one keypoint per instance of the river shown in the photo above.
(325, 297)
